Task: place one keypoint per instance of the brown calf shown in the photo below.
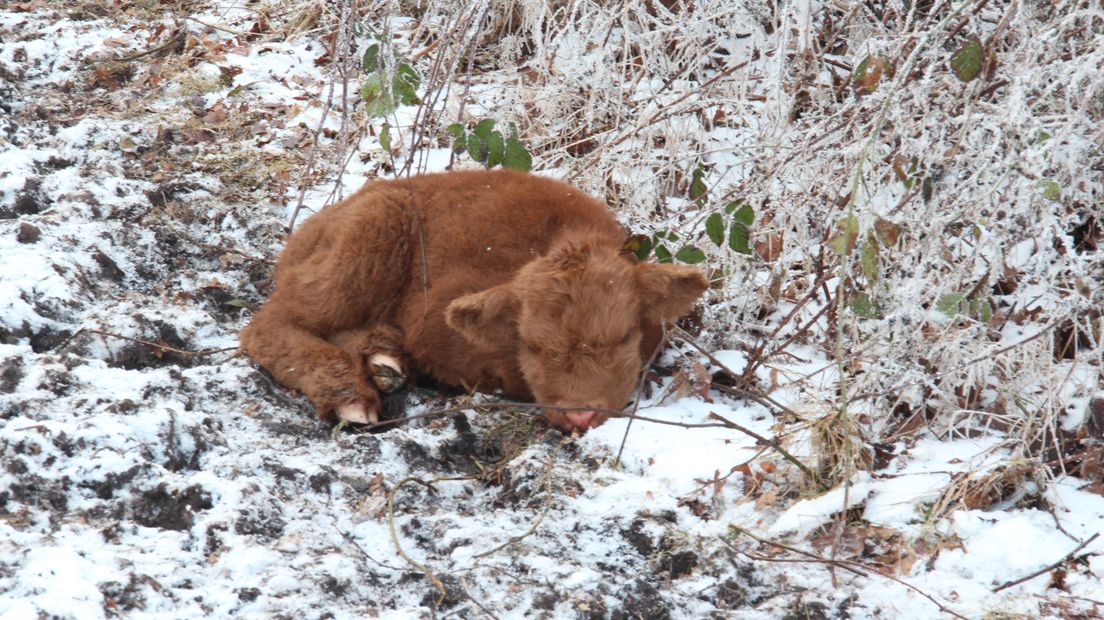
(493, 280)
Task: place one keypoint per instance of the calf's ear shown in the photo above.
(669, 291)
(487, 318)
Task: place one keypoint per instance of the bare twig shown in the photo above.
(639, 395)
(339, 42)
(527, 409)
(154, 345)
(356, 545)
(850, 566)
(474, 601)
(1048, 567)
(773, 444)
(395, 536)
(746, 392)
(1015, 345)
(176, 38)
(540, 518)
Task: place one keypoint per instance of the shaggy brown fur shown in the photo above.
(493, 280)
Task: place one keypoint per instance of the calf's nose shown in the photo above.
(584, 419)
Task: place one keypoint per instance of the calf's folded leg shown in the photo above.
(334, 381)
(344, 269)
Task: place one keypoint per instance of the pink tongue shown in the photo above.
(580, 419)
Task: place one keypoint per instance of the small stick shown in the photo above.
(481, 606)
(161, 347)
(395, 536)
(1049, 567)
(772, 444)
(639, 396)
(980, 358)
(175, 38)
(762, 400)
(848, 565)
(540, 519)
(614, 413)
(315, 146)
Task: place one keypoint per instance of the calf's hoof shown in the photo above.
(357, 412)
(386, 372)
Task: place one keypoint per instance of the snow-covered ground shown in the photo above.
(150, 160)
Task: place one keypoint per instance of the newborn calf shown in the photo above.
(487, 280)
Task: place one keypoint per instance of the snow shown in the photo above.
(148, 484)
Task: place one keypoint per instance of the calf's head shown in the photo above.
(575, 320)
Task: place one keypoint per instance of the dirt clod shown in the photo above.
(28, 233)
(167, 509)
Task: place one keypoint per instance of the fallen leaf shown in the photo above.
(765, 499)
(769, 249)
(696, 506)
(27, 7)
(375, 487)
(216, 114)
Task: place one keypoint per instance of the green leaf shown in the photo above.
(732, 206)
(860, 69)
(371, 61)
(966, 61)
(336, 432)
(385, 137)
(864, 307)
(697, 185)
(513, 130)
(640, 245)
(663, 254)
(477, 148)
(745, 215)
(844, 242)
(870, 71)
(1051, 190)
(714, 229)
(926, 187)
(226, 76)
(238, 302)
(517, 157)
(458, 134)
(739, 238)
(371, 89)
(496, 149)
(380, 101)
(981, 309)
(869, 257)
(406, 83)
(483, 128)
(952, 304)
(1041, 136)
(690, 254)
